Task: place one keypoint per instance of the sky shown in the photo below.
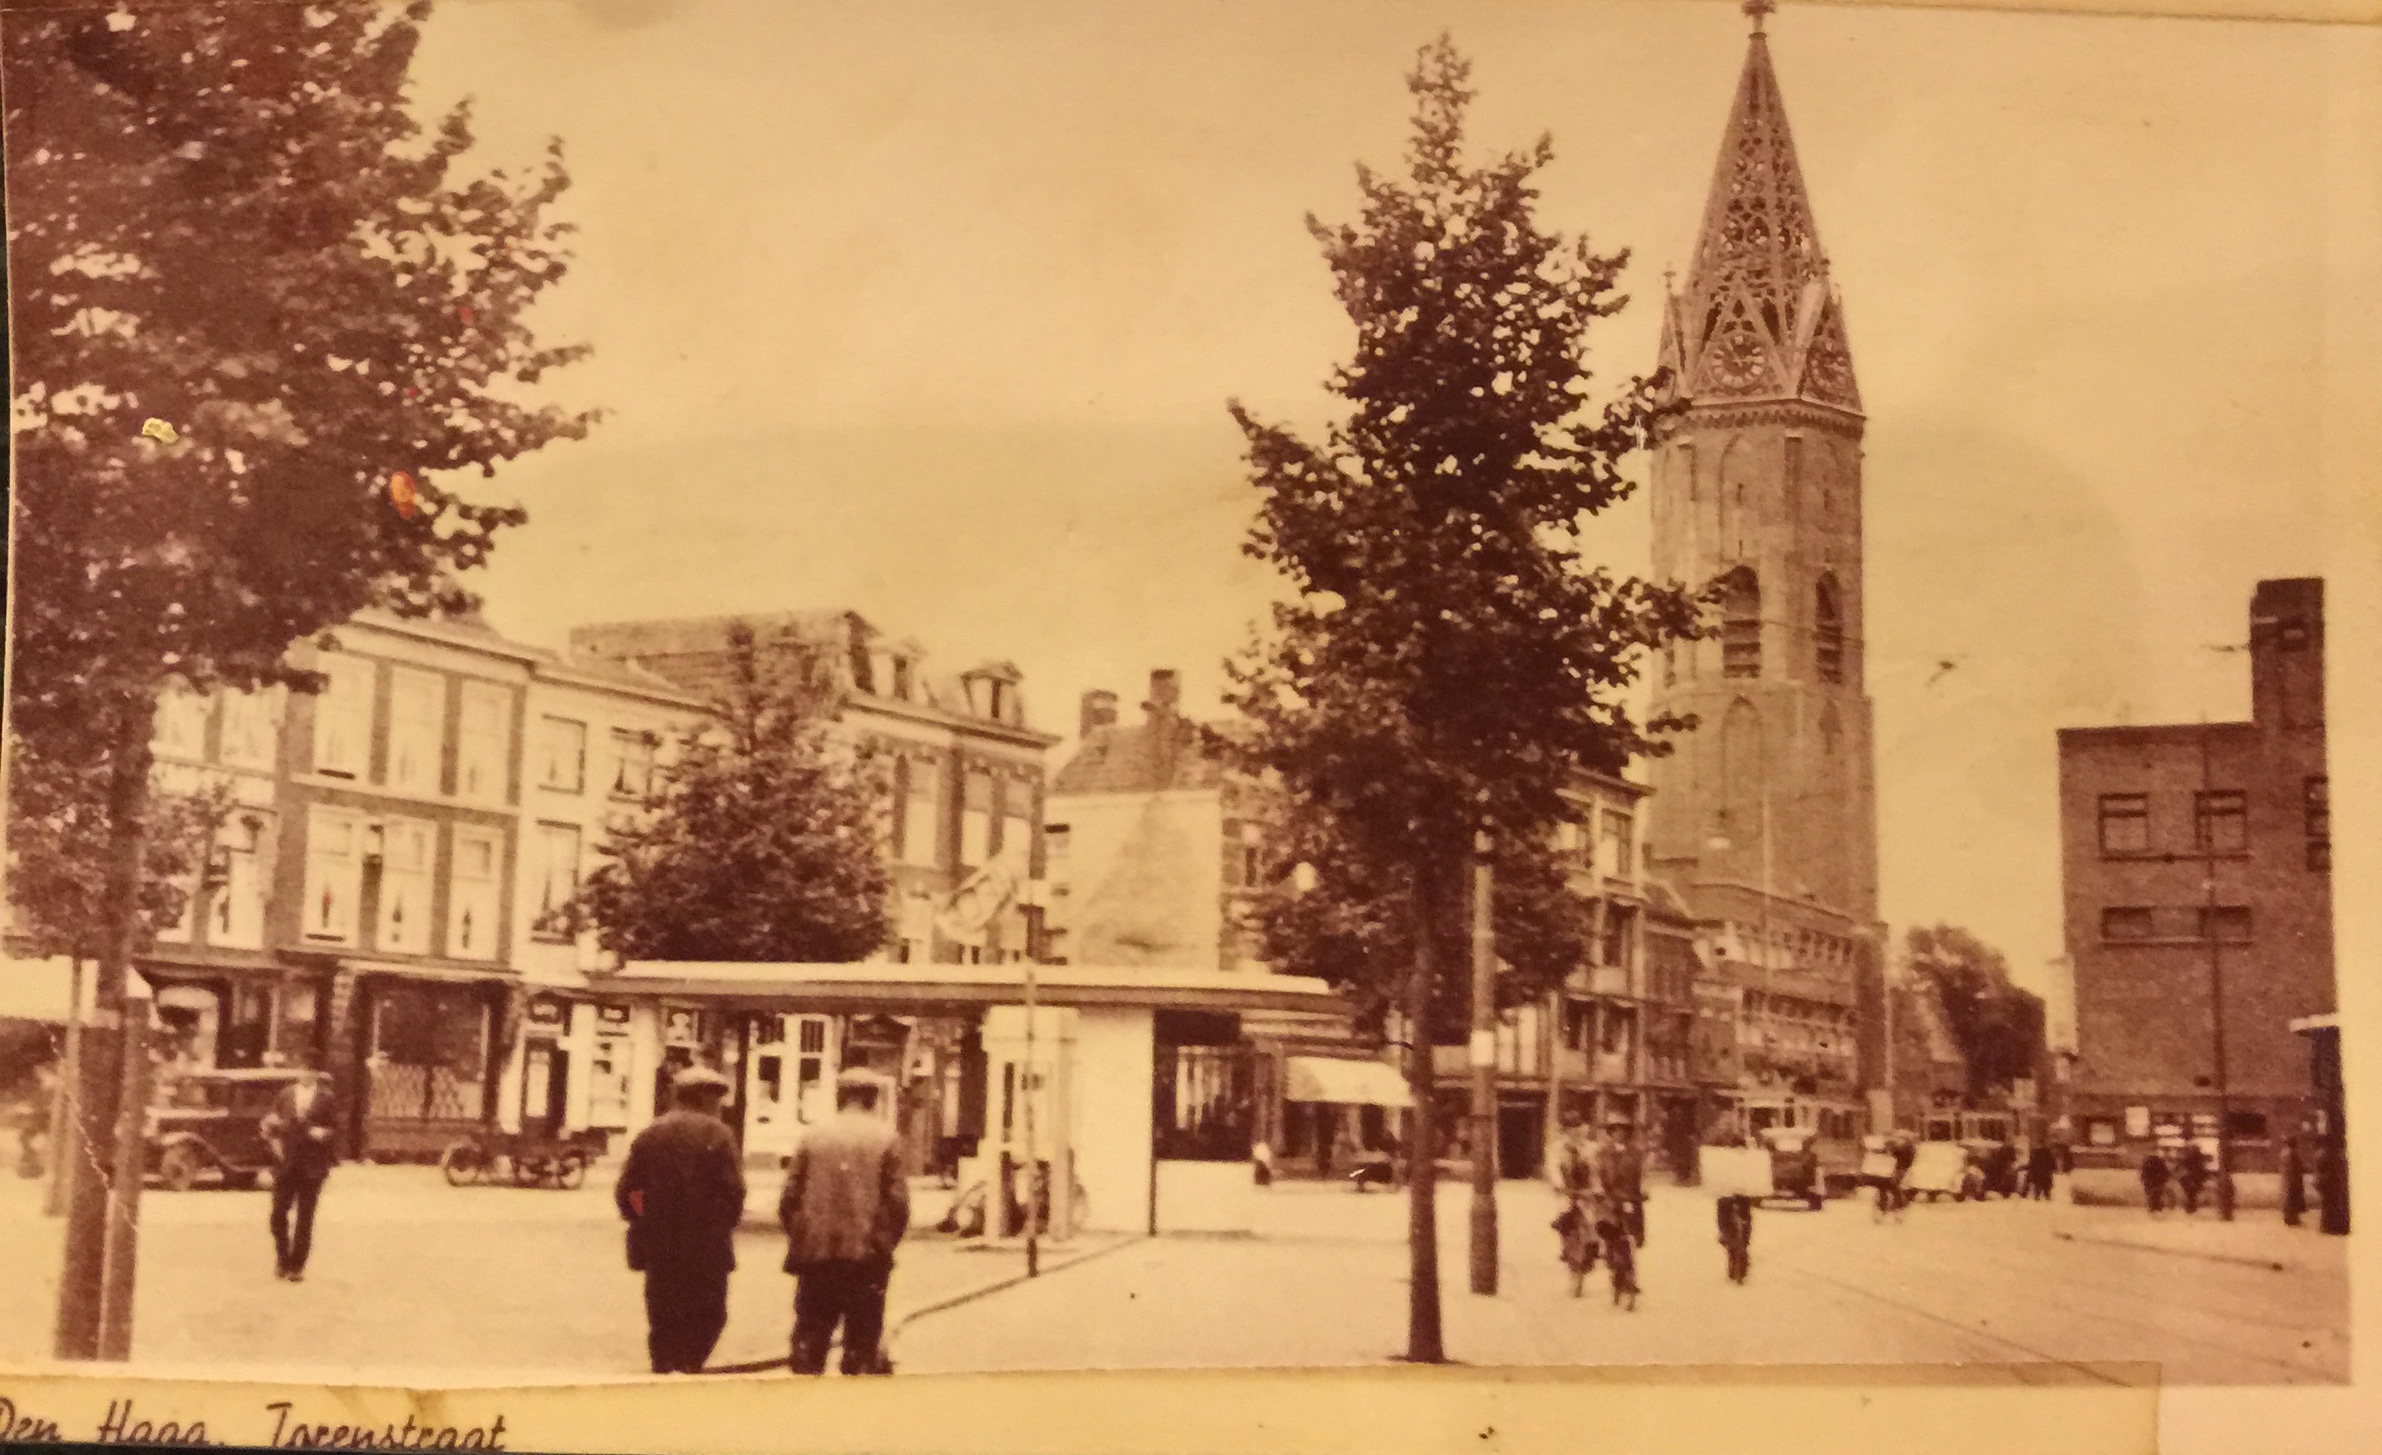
(933, 311)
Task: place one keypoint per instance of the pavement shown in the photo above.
(448, 1285)
(2007, 1288)
(429, 1284)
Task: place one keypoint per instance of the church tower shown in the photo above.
(1765, 813)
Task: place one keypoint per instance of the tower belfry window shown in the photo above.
(1828, 631)
(1741, 624)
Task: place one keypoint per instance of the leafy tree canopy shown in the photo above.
(1449, 661)
(225, 218)
(1999, 1027)
(253, 292)
(764, 844)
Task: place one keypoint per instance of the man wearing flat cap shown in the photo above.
(682, 1192)
(846, 1206)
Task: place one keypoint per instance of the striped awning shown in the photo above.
(1345, 1083)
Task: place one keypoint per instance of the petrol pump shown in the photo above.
(1029, 1101)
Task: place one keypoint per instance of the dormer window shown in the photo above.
(864, 677)
(901, 678)
(997, 700)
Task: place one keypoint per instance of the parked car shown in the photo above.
(211, 1127)
(1795, 1167)
(1938, 1170)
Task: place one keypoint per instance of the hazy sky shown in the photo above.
(932, 311)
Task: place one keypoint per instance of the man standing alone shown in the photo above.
(299, 1129)
(846, 1206)
(682, 1192)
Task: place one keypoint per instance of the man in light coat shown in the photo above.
(845, 1208)
(299, 1129)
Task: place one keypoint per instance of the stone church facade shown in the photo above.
(1765, 820)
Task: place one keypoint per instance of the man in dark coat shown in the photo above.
(2192, 1176)
(2295, 1185)
(682, 1192)
(2154, 1181)
(299, 1129)
(2041, 1164)
(1621, 1176)
(845, 1208)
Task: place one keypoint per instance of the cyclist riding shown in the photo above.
(1575, 1183)
(1621, 1175)
(1893, 1192)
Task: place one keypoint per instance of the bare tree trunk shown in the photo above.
(83, 1276)
(1424, 1344)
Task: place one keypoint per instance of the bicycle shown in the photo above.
(1612, 1231)
(1577, 1229)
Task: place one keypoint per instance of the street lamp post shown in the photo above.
(2204, 826)
(1484, 1071)
(1033, 901)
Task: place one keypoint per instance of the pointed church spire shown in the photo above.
(1760, 318)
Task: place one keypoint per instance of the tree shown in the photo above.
(764, 842)
(1999, 1027)
(58, 851)
(262, 300)
(1449, 663)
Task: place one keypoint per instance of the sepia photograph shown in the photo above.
(750, 688)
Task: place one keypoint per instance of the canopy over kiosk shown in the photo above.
(1138, 1075)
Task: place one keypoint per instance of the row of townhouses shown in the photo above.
(382, 900)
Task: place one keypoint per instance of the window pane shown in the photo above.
(563, 755)
(2132, 923)
(920, 825)
(417, 705)
(2222, 822)
(2125, 823)
(343, 718)
(481, 746)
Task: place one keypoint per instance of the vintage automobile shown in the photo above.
(1939, 1170)
(1795, 1167)
(210, 1127)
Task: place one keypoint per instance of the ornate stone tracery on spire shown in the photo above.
(1760, 318)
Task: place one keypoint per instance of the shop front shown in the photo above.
(1136, 1082)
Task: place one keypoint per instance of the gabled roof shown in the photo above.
(1760, 319)
(1133, 759)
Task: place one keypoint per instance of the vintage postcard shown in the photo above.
(1649, 695)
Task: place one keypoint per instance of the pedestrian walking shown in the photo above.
(845, 1208)
(2295, 1187)
(2191, 1176)
(2041, 1165)
(2154, 1181)
(682, 1192)
(1736, 1234)
(299, 1129)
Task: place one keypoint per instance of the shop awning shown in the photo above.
(1346, 1083)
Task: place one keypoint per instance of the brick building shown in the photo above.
(356, 907)
(2195, 855)
(963, 777)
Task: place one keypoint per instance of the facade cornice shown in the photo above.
(1742, 414)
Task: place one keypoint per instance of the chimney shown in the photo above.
(1099, 711)
(1166, 694)
(1166, 732)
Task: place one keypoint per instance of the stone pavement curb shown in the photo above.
(895, 1325)
(995, 1285)
(2275, 1265)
